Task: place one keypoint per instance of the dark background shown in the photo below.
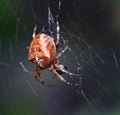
(91, 30)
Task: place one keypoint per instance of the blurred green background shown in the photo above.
(91, 30)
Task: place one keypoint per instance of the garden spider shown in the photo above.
(42, 52)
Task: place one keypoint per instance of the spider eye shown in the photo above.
(63, 67)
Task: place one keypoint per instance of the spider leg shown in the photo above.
(65, 71)
(60, 54)
(37, 75)
(39, 78)
(61, 78)
(58, 35)
(34, 31)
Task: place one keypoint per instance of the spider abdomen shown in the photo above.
(42, 50)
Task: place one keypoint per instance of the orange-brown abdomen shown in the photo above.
(42, 50)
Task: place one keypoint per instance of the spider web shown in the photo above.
(93, 52)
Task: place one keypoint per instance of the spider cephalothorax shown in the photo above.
(42, 52)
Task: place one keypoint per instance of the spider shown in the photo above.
(42, 52)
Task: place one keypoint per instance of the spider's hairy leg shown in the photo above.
(58, 36)
(34, 31)
(39, 78)
(65, 71)
(61, 78)
(60, 54)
